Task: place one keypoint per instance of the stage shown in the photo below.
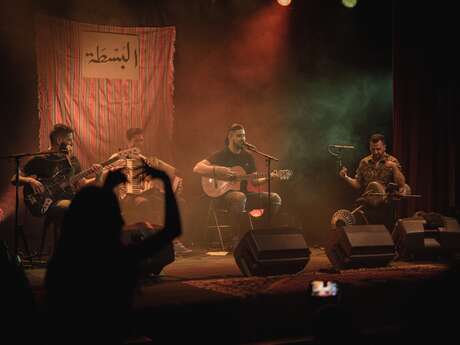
(206, 299)
(337, 95)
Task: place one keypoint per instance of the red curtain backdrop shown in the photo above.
(427, 103)
(101, 110)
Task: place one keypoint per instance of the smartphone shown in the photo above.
(324, 288)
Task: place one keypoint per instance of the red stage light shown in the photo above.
(256, 213)
(284, 2)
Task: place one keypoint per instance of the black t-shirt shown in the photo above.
(229, 159)
(48, 166)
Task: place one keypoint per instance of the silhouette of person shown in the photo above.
(17, 301)
(429, 314)
(92, 276)
(332, 323)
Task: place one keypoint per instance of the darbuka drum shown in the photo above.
(374, 194)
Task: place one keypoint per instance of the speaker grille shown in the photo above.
(357, 246)
(272, 251)
(415, 240)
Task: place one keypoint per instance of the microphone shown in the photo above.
(249, 146)
(346, 147)
(64, 148)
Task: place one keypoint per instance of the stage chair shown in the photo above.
(217, 220)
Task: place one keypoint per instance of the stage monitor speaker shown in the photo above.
(274, 251)
(429, 236)
(356, 246)
(155, 263)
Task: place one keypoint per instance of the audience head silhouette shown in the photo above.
(93, 220)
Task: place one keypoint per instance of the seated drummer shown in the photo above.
(379, 167)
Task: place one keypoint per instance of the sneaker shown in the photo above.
(180, 249)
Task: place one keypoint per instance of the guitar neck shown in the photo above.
(88, 172)
(250, 176)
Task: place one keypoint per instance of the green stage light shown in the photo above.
(349, 3)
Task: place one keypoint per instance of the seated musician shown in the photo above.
(53, 165)
(219, 165)
(384, 169)
(142, 198)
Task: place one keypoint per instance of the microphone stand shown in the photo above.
(336, 151)
(19, 230)
(268, 159)
(337, 155)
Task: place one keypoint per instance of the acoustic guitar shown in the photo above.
(215, 188)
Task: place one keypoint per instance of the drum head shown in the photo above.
(374, 194)
(342, 218)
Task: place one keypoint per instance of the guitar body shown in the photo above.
(215, 188)
(57, 188)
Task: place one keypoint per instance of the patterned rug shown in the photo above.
(286, 284)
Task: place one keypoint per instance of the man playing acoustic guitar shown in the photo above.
(230, 163)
